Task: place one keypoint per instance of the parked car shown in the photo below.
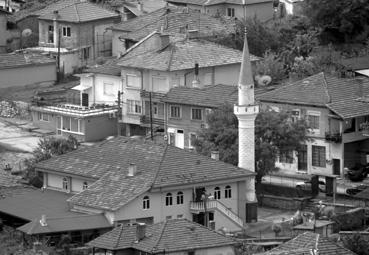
(306, 185)
(358, 172)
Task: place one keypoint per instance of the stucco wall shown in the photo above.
(27, 75)
(55, 181)
(99, 96)
(100, 127)
(46, 125)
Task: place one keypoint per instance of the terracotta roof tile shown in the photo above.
(181, 55)
(163, 236)
(172, 20)
(80, 12)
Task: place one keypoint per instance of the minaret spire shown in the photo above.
(246, 112)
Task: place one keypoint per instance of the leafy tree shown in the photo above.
(342, 21)
(274, 132)
(356, 243)
(47, 148)
(273, 66)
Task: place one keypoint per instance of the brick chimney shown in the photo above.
(132, 169)
(215, 155)
(163, 41)
(140, 231)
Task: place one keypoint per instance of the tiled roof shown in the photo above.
(170, 236)
(215, 2)
(344, 96)
(12, 60)
(312, 241)
(61, 224)
(80, 12)
(157, 166)
(172, 20)
(181, 55)
(110, 67)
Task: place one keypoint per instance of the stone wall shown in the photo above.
(286, 203)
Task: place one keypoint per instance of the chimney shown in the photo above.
(140, 231)
(139, 6)
(43, 220)
(192, 34)
(196, 82)
(56, 14)
(215, 155)
(132, 169)
(163, 41)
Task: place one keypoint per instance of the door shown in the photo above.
(199, 191)
(336, 166)
(155, 110)
(302, 159)
(85, 99)
(179, 139)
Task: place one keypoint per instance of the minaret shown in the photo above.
(246, 112)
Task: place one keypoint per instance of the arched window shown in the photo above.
(146, 202)
(179, 198)
(228, 192)
(85, 185)
(217, 193)
(65, 183)
(168, 199)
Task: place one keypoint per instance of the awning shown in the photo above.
(363, 72)
(81, 87)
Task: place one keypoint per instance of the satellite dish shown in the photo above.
(264, 80)
(26, 32)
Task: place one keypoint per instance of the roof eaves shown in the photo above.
(280, 101)
(138, 43)
(340, 115)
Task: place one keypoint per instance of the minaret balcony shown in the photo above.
(246, 109)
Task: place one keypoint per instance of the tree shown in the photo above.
(340, 21)
(47, 148)
(274, 132)
(356, 243)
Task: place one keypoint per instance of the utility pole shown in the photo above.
(151, 128)
(119, 113)
(58, 74)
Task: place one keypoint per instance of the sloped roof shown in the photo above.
(157, 166)
(181, 55)
(215, 2)
(80, 12)
(344, 96)
(12, 60)
(311, 241)
(172, 20)
(110, 67)
(170, 236)
(61, 224)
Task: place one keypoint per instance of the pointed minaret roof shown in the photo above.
(245, 77)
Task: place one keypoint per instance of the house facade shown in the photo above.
(262, 9)
(77, 35)
(11, 5)
(152, 187)
(336, 112)
(160, 62)
(94, 116)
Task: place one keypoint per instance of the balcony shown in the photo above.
(154, 95)
(333, 137)
(145, 121)
(77, 110)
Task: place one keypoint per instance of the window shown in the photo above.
(179, 216)
(286, 157)
(302, 158)
(160, 84)
(85, 185)
(133, 81)
(43, 116)
(228, 192)
(66, 32)
(109, 89)
(193, 138)
(86, 53)
(175, 111)
(179, 198)
(65, 183)
(217, 193)
(230, 12)
(168, 199)
(146, 203)
(168, 217)
(313, 121)
(318, 156)
(50, 35)
(295, 115)
(134, 106)
(196, 114)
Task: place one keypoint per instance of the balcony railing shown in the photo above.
(216, 205)
(145, 120)
(333, 137)
(79, 111)
(154, 95)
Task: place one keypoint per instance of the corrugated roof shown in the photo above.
(173, 20)
(181, 55)
(170, 236)
(157, 166)
(62, 224)
(80, 12)
(12, 60)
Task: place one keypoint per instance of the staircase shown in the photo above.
(197, 207)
